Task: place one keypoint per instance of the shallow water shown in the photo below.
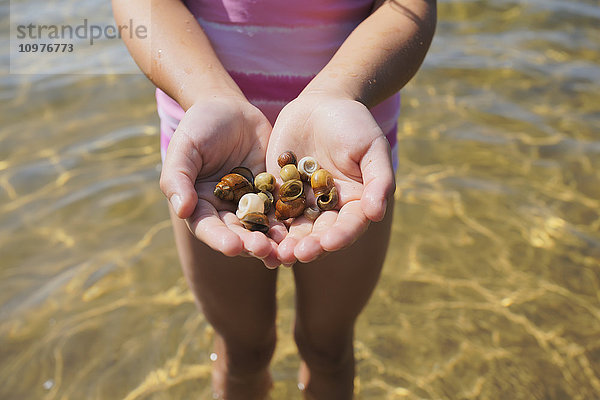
(491, 285)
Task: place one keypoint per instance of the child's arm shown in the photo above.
(382, 54)
(330, 120)
(220, 130)
(175, 55)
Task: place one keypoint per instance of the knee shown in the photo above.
(325, 350)
(245, 335)
(249, 351)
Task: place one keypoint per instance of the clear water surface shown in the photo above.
(491, 285)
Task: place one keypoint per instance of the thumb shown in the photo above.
(378, 179)
(181, 166)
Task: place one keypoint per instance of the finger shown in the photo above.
(300, 228)
(277, 231)
(179, 171)
(378, 179)
(309, 248)
(207, 226)
(255, 243)
(351, 222)
(271, 261)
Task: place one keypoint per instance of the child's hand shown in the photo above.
(215, 135)
(345, 139)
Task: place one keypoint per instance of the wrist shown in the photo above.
(201, 90)
(326, 84)
(344, 84)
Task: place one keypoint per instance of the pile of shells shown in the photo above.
(254, 196)
(240, 187)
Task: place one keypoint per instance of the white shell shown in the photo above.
(250, 202)
(307, 166)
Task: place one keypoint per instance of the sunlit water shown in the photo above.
(491, 285)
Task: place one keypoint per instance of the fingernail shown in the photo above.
(176, 203)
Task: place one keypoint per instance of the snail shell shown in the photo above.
(291, 190)
(250, 203)
(267, 198)
(321, 182)
(312, 213)
(243, 171)
(287, 157)
(265, 182)
(328, 201)
(256, 221)
(289, 172)
(289, 209)
(232, 187)
(306, 167)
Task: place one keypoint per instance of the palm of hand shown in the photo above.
(213, 138)
(345, 139)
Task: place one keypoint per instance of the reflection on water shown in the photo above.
(491, 284)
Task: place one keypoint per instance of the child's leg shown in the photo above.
(237, 296)
(330, 294)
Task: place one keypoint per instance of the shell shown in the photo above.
(289, 172)
(328, 201)
(245, 172)
(312, 213)
(267, 198)
(265, 182)
(256, 221)
(287, 157)
(291, 190)
(249, 203)
(290, 209)
(321, 182)
(306, 167)
(232, 187)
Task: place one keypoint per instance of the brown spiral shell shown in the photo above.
(289, 209)
(287, 157)
(256, 221)
(328, 201)
(289, 172)
(232, 187)
(265, 182)
(245, 172)
(291, 190)
(321, 182)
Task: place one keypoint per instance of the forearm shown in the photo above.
(176, 55)
(382, 54)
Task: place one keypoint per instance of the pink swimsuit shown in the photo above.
(273, 48)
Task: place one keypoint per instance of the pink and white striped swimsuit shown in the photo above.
(273, 48)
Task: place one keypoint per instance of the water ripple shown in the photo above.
(490, 288)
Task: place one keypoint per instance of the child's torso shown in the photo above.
(273, 48)
(281, 12)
